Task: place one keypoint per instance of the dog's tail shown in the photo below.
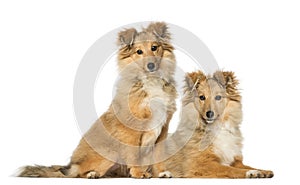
(44, 171)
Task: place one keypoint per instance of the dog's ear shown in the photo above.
(228, 80)
(126, 37)
(160, 30)
(220, 78)
(193, 79)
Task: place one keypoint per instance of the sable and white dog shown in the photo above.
(211, 116)
(138, 117)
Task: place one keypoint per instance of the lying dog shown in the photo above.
(211, 116)
(138, 117)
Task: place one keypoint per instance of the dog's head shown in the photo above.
(146, 49)
(212, 93)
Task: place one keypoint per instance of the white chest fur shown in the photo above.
(158, 101)
(227, 144)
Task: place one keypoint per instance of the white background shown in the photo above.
(42, 43)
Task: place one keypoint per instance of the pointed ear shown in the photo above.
(220, 78)
(160, 30)
(126, 37)
(193, 79)
(228, 80)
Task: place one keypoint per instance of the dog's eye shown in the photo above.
(153, 48)
(139, 52)
(202, 97)
(218, 97)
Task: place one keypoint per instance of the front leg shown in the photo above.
(142, 156)
(159, 169)
(140, 172)
(238, 163)
(214, 169)
(136, 163)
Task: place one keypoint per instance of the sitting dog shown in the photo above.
(138, 116)
(211, 116)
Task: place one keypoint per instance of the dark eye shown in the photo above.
(153, 48)
(218, 97)
(139, 52)
(202, 97)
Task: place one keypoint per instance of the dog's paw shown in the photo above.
(259, 174)
(93, 175)
(165, 174)
(144, 175)
(268, 174)
(139, 173)
(252, 174)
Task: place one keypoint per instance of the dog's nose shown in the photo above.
(210, 114)
(150, 66)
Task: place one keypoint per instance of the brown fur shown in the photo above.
(138, 117)
(214, 149)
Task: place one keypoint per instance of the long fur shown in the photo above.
(214, 149)
(137, 118)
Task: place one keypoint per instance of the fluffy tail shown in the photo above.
(44, 171)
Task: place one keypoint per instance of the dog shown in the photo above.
(138, 117)
(211, 116)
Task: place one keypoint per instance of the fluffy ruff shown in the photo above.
(137, 118)
(214, 149)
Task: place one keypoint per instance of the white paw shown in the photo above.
(253, 174)
(165, 174)
(92, 175)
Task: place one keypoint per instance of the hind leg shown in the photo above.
(238, 163)
(99, 169)
(87, 163)
(93, 168)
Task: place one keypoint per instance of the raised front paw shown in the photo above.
(259, 174)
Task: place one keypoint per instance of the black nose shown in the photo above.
(151, 66)
(210, 114)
